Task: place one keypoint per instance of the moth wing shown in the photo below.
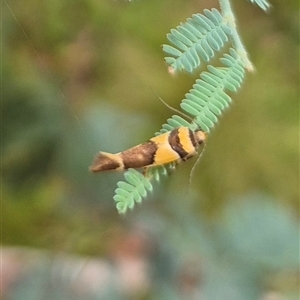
(164, 154)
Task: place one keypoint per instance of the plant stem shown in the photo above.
(236, 40)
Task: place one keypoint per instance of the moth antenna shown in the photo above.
(194, 166)
(172, 108)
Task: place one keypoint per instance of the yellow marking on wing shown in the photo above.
(185, 140)
(161, 139)
(164, 154)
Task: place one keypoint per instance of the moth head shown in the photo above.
(200, 136)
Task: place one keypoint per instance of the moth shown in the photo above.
(173, 146)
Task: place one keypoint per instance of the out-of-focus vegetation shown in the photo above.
(76, 78)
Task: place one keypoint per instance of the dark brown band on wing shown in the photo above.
(175, 144)
(192, 138)
(110, 165)
(139, 156)
(105, 162)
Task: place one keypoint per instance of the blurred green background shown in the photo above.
(76, 79)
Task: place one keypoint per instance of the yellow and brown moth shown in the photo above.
(175, 146)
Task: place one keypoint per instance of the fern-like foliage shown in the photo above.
(195, 40)
(207, 99)
(131, 191)
(136, 187)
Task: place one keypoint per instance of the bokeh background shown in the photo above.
(77, 78)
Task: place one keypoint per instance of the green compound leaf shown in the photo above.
(206, 101)
(195, 40)
(136, 188)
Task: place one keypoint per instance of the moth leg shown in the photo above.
(172, 167)
(169, 169)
